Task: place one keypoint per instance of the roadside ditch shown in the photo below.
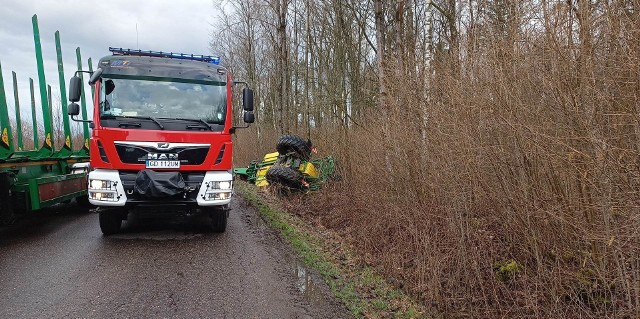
(364, 292)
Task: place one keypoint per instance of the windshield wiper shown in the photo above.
(136, 117)
(207, 124)
(148, 118)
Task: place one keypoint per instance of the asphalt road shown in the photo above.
(57, 264)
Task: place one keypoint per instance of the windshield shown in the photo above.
(164, 98)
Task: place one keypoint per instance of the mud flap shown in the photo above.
(154, 184)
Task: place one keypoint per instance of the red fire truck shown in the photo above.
(161, 140)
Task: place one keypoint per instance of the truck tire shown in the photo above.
(285, 176)
(110, 222)
(218, 222)
(294, 144)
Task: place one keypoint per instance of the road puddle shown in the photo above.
(306, 284)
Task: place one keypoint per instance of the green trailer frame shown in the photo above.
(42, 177)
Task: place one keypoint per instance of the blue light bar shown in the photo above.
(159, 54)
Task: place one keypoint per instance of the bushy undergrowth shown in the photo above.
(487, 219)
(502, 179)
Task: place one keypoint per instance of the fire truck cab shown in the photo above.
(161, 139)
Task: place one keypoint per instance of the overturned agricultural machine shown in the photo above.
(292, 166)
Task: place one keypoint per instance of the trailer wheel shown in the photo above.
(285, 176)
(110, 222)
(294, 144)
(7, 215)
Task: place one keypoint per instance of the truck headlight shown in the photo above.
(104, 196)
(218, 190)
(217, 196)
(100, 184)
(220, 185)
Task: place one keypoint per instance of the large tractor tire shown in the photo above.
(285, 176)
(294, 144)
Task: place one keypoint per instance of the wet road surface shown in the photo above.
(58, 264)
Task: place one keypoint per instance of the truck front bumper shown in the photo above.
(116, 189)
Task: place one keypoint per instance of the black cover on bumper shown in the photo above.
(159, 184)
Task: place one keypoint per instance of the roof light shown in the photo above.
(159, 54)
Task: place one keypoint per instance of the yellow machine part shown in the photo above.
(263, 171)
(271, 157)
(260, 174)
(308, 169)
(262, 182)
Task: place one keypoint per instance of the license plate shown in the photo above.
(162, 164)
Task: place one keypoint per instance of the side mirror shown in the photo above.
(247, 100)
(73, 109)
(248, 117)
(75, 88)
(95, 76)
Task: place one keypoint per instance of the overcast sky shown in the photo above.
(162, 25)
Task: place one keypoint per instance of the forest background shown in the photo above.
(488, 149)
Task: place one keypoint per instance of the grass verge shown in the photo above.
(365, 293)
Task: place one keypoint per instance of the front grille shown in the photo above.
(134, 154)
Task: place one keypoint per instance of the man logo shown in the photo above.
(162, 156)
(163, 145)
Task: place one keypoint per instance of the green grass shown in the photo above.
(346, 283)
